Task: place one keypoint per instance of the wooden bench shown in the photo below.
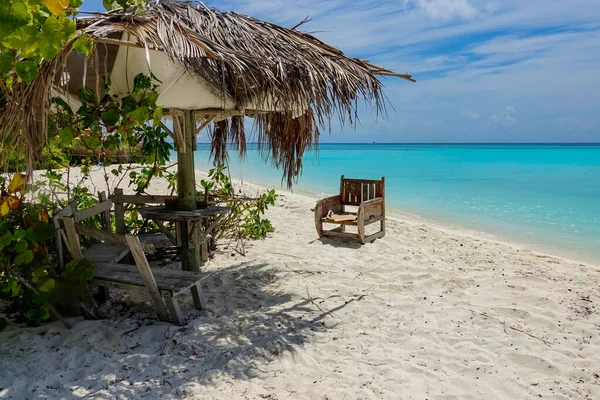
(164, 286)
(365, 194)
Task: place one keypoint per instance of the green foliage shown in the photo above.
(24, 234)
(254, 226)
(106, 123)
(138, 6)
(32, 31)
(247, 211)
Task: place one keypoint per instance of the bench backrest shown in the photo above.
(102, 208)
(138, 249)
(356, 191)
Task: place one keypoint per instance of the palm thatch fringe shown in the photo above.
(249, 61)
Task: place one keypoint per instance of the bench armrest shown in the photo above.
(333, 203)
(371, 209)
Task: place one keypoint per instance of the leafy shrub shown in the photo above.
(246, 211)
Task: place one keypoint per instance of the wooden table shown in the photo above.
(190, 230)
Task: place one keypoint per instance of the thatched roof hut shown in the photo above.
(220, 65)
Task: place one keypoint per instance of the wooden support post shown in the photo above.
(186, 188)
(176, 314)
(87, 302)
(72, 239)
(119, 211)
(196, 296)
(106, 214)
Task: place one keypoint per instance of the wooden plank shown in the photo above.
(328, 221)
(178, 121)
(175, 311)
(106, 252)
(106, 214)
(374, 236)
(334, 233)
(82, 215)
(204, 251)
(146, 198)
(158, 240)
(196, 296)
(72, 238)
(125, 286)
(355, 180)
(68, 210)
(104, 236)
(103, 294)
(373, 220)
(170, 132)
(166, 232)
(119, 212)
(144, 269)
(162, 213)
(168, 281)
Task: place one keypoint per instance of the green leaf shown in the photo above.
(141, 82)
(43, 231)
(48, 285)
(6, 63)
(84, 44)
(15, 288)
(24, 40)
(91, 141)
(40, 299)
(157, 115)
(111, 5)
(38, 314)
(111, 117)
(66, 136)
(86, 95)
(24, 258)
(139, 115)
(87, 274)
(57, 29)
(3, 324)
(26, 70)
(5, 239)
(38, 274)
(20, 246)
(20, 234)
(14, 14)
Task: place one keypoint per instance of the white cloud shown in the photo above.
(447, 9)
(470, 114)
(577, 123)
(506, 118)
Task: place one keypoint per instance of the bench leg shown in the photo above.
(103, 294)
(196, 296)
(176, 314)
(204, 251)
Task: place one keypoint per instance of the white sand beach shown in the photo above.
(424, 313)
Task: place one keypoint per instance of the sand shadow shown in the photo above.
(348, 243)
(248, 322)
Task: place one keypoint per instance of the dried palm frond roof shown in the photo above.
(294, 82)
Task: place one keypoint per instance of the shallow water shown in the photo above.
(545, 196)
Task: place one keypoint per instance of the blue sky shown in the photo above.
(487, 71)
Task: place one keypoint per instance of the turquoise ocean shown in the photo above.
(544, 196)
